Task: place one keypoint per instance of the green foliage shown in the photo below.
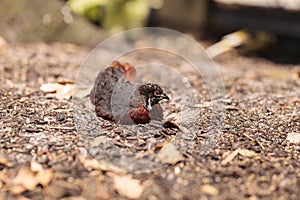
(115, 15)
(91, 9)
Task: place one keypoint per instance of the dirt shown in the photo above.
(253, 159)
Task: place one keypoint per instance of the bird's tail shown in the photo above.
(130, 71)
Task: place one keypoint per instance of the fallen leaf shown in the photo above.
(5, 162)
(230, 157)
(42, 176)
(49, 87)
(293, 137)
(209, 189)
(62, 91)
(28, 177)
(45, 177)
(4, 178)
(65, 91)
(35, 166)
(127, 186)
(169, 154)
(247, 153)
(91, 163)
(17, 189)
(25, 178)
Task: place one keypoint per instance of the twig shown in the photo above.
(253, 140)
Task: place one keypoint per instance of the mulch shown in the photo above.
(252, 159)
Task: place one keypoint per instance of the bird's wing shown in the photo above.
(112, 91)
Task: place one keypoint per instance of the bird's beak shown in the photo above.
(164, 96)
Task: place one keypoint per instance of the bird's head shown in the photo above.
(153, 93)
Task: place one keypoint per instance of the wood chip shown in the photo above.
(230, 157)
(247, 153)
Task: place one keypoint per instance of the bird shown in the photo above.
(117, 99)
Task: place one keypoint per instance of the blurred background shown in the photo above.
(268, 28)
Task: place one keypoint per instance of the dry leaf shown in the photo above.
(90, 163)
(49, 87)
(99, 165)
(4, 161)
(35, 166)
(4, 178)
(169, 154)
(17, 189)
(209, 189)
(293, 137)
(45, 177)
(25, 178)
(29, 177)
(230, 157)
(65, 91)
(127, 186)
(62, 91)
(247, 153)
(42, 176)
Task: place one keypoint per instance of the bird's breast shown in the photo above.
(140, 115)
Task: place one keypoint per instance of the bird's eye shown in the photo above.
(157, 93)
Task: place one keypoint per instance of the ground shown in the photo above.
(43, 156)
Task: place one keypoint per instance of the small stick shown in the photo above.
(253, 140)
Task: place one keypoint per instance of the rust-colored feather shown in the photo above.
(126, 109)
